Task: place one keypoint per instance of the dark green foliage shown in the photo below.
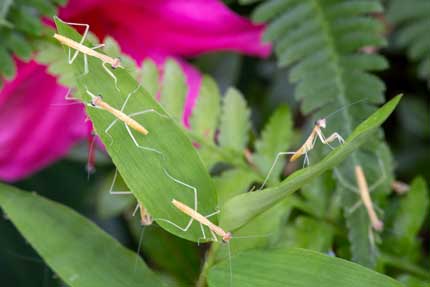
(412, 22)
(323, 41)
(20, 26)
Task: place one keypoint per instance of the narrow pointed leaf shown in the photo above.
(240, 209)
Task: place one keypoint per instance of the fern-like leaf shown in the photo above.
(322, 40)
(413, 30)
(276, 136)
(149, 77)
(20, 26)
(204, 119)
(174, 89)
(235, 121)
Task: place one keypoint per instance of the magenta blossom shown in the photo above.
(37, 130)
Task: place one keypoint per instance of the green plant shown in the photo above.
(413, 22)
(323, 40)
(283, 234)
(240, 213)
(20, 27)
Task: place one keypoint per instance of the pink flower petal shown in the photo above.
(35, 132)
(36, 126)
(175, 27)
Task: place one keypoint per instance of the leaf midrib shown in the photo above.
(328, 34)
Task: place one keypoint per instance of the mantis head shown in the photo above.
(321, 123)
(227, 236)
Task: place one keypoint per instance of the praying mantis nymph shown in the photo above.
(364, 191)
(309, 143)
(97, 101)
(145, 217)
(306, 147)
(79, 47)
(127, 119)
(226, 236)
(377, 224)
(114, 62)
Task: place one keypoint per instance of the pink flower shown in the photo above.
(36, 130)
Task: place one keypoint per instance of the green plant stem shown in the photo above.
(405, 265)
(210, 260)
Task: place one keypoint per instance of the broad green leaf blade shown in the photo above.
(409, 217)
(235, 121)
(240, 209)
(413, 210)
(294, 267)
(166, 150)
(109, 205)
(75, 248)
(204, 119)
(174, 89)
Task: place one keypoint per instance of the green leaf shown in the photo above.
(235, 121)
(173, 89)
(294, 267)
(79, 252)
(247, 2)
(322, 42)
(309, 233)
(413, 27)
(150, 77)
(109, 205)
(412, 281)
(146, 172)
(169, 253)
(18, 45)
(320, 198)
(408, 220)
(233, 182)
(20, 26)
(240, 209)
(276, 137)
(260, 232)
(204, 119)
(7, 65)
(413, 210)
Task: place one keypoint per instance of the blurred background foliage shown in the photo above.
(311, 220)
